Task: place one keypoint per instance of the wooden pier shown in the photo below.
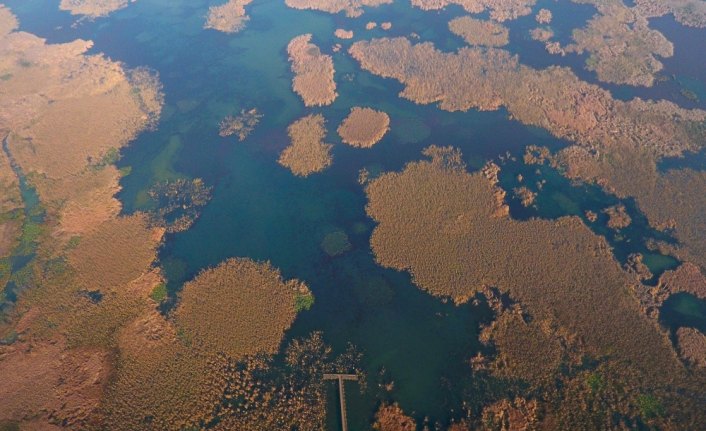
(342, 394)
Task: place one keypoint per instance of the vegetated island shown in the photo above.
(500, 10)
(343, 33)
(691, 13)
(247, 308)
(617, 143)
(352, 8)
(451, 230)
(307, 152)
(313, 72)
(229, 17)
(92, 8)
(364, 127)
(622, 48)
(479, 32)
(544, 16)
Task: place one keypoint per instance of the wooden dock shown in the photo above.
(342, 394)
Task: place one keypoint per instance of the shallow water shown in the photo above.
(260, 210)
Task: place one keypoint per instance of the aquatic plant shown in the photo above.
(229, 17)
(352, 8)
(92, 8)
(249, 307)
(313, 72)
(499, 10)
(307, 152)
(178, 203)
(364, 127)
(335, 243)
(479, 32)
(242, 124)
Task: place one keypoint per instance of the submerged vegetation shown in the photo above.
(178, 203)
(241, 125)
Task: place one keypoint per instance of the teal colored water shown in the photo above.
(260, 210)
(684, 310)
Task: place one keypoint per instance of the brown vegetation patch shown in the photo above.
(506, 415)
(618, 217)
(542, 34)
(692, 346)
(500, 10)
(229, 17)
(479, 32)
(47, 383)
(673, 201)
(162, 385)
(552, 98)
(307, 152)
(691, 13)
(92, 8)
(8, 21)
(622, 47)
(386, 25)
(343, 34)
(118, 252)
(66, 109)
(390, 417)
(544, 16)
(248, 306)
(530, 351)
(313, 72)
(241, 125)
(364, 127)
(525, 195)
(449, 230)
(352, 8)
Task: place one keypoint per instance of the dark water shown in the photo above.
(260, 210)
(684, 310)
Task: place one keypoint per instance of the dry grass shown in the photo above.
(500, 10)
(622, 47)
(479, 32)
(692, 346)
(542, 34)
(74, 130)
(313, 72)
(672, 201)
(553, 98)
(8, 21)
(307, 152)
(92, 8)
(343, 33)
(352, 8)
(544, 16)
(247, 304)
(450, 230)
(117, 253)
(45, 383)
(618, 218)
(390, 417)
(364, 127)
(229, 17)
(691, 13)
